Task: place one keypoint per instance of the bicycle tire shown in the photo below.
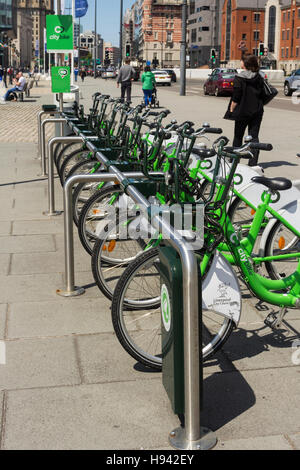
(108, 264)
(78, 156)
(280, 269)
(82, 222)
(126, 337)
(60, 158)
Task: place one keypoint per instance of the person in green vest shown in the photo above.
(148, 81)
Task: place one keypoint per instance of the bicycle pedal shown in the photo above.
(272, 321)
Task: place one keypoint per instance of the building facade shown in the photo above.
(243, 28)
(131, 29)
(87, 42)
(21, 54)
(289, 41)
(204, 34)
(160, 32)
(8, 30)
(38, 10)
(111, 53)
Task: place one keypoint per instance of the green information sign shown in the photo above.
(59, 33)
(61, 79)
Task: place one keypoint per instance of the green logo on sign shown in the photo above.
(59, 32)
(165, 308)
(61, 79)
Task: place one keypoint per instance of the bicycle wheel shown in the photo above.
(63, 152)
(81, 194)
(281, 241)
(71, 161)
(93, 213)
(138, 329)
(111, 256)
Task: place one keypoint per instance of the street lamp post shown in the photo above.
(96, 40)
(183, 50)
(121, 32)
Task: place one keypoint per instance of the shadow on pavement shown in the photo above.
(276, 164)
(226, 396)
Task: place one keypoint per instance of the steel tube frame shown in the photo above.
(51, 192)
(43, 146)
(193, 436)
(39, 123)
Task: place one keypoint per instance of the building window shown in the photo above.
(287, 52)
(288, 35)
(272, 28)
(283, 35)
(245, 19)
(194, 35)
(256, 35)
(228, 30)
(256, 18)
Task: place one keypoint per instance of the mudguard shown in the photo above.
(221, 290)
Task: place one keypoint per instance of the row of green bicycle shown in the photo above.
(246, 235)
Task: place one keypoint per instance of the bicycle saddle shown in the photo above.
(204, 153)
(275, 184)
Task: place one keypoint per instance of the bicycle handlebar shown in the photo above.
(259, 146)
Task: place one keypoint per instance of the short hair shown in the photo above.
(127, 60)
(147, 68)
(250, 62)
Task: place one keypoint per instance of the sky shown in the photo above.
(108, 18)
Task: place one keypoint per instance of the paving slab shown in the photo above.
(3, 316)
(27, 244)
(1, 415)
(30, 287)
(242, 405)
(5, 227)
(38, 227)
(259, 347)
(124, 415)
(256, 443)
(4, 263)
(59, 317)
(103, 359)
(34, 263)
(39, 363)
(294, 439)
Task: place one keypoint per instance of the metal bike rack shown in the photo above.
(51, 196)
(40, 114)
(43, 140)
(193, 436)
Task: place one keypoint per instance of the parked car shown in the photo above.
(220, 81)
(292, 83)
(172, 73)
(109, 73)
(162, 77)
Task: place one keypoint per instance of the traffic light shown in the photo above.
(261, 49)
(107, 59)
(213, 55)
(128, 52)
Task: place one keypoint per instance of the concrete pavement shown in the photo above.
(67, 383)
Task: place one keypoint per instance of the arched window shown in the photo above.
(272, 28)
(228, 30)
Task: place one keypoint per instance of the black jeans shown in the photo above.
(126, 89)
(253, 125)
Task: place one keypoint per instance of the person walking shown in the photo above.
(246, 107)
(10, 75)
(148, 81)
(82, 75)
(125, 78)
(5, 77)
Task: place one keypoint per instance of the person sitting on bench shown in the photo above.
(20, 85)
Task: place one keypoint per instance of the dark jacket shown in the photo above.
(248, 92)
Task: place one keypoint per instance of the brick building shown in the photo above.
(160, 32)
(242, 20)
(289, 36)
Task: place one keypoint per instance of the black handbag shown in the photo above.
(269, 92)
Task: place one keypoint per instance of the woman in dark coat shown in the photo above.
(246, 107)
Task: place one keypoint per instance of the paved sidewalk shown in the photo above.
(68, 384)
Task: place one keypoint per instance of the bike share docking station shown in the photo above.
(181, 305)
